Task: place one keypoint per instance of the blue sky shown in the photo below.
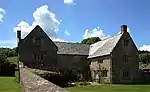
(74, 20)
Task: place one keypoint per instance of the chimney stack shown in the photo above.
(123, 29)
(18, 36)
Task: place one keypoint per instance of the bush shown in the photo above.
(6, 68)
(62, 79)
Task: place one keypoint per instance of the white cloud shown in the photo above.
(96, 32)
(67, 33)
(59, 40)
(145, 48)
(2, 12)
(69, 2)
(43, 17)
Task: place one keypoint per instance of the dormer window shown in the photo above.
(37, 41)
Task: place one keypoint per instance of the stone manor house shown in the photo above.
(112, 60)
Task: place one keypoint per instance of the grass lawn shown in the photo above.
(13, 59)
(111, 88)
(9, 84)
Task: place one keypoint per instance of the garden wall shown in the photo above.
(34, 83)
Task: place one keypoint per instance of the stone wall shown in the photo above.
(104, 65)
(122, 64)
(34, 83)
(71, 62)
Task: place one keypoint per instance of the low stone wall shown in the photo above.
(34, 83)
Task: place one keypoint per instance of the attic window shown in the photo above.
(126, 42)
(37, 41)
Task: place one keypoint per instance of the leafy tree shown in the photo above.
(144, 56)
(6, 68)
(8, 52)
(90, 40)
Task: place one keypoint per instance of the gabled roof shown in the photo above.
(72, 48)
(37, 28)
(104, 47)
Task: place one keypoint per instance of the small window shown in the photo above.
(37, 41)
(100, 61)
(125, 58)
(104, 73)
(125, 74)
(126, 42)
(39, 57)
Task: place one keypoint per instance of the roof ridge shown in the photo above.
(108, 38)
(70, 43)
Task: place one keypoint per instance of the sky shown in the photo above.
(75, 20)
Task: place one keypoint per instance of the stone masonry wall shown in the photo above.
(34, 83)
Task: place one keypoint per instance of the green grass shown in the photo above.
(9, 84)
(111, 88)
(13, 59)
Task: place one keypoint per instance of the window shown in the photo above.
(104, 73)
(126, 42)
(39, 57)
(125, 74)
(37, 41)
(100, 61)
(125, 58)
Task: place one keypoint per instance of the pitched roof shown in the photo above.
(104, 47)
(72, 48)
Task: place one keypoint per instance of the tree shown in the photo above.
(2, 60)
(144, 58)
(90, 40)
(6, 68)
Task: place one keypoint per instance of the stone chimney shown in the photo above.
(18, 36)
(123, 29)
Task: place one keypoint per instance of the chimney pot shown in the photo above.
(123, 29)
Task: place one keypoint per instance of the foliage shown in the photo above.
(6, 68)
(144, 57)
(13, 59)
(62, 79)
(141, 52)
(90, 40)
(8, 52)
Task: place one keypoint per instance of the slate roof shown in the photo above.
(72, 48)
(104, 47)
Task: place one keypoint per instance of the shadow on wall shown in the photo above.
(62, 79)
